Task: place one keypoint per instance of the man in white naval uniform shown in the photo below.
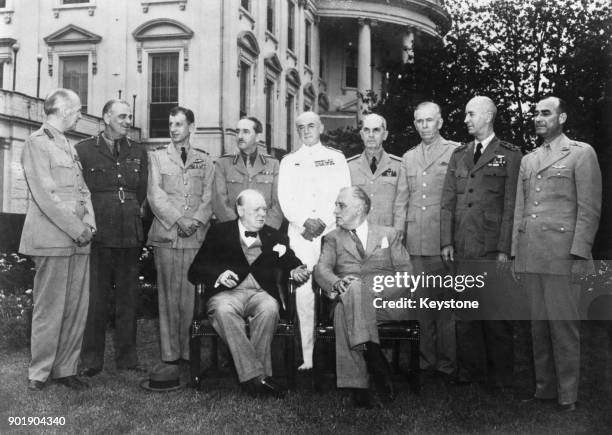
(308, 183)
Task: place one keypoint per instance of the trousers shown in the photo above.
(61, 296)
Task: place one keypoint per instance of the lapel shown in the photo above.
(349, 244)
(174, 155)
(192, 156)
(556, 153)
(103, 148)
(364, 166)
(258, 165)
(383, 165)
(239, 165)
(436, 153)
(235, 245)
(488, 155)
(124, 148)
(468, 157)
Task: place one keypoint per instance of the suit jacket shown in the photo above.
(385, 254)
(59, 203)
(232, 177)
(222, 251)
(558, 204)
(177, 189)
(477, 206)
(118, 187)
(380, 186)
(419, 191)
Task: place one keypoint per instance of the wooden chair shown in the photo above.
(285, 331)
(393, 333)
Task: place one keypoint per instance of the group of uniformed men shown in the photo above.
(479, 207)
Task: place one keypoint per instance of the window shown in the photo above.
(1, 75)
(289, 108)
(2, 4)
(72, 2)
(245, 73)
(270, 16)
(350, 68)
(269, 91)
(308, 38)
(73, 73)
(246, 4)
(291, 26)
(164, 91)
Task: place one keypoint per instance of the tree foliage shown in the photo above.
(514, 51)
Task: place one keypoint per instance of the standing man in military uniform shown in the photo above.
(247, 169)
(308, 183)
(558, 205)
(115, 170)
(179, 193)
(375, 171)
(476, 231)
(58, 228)
(417, 214)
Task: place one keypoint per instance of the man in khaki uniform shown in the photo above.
(375, 171)
(58, 228)
(247, 169)
(558, 204)
(417, 214)
(179, 193)
(476, 214)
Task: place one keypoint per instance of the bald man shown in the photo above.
(57, 232)
(476, 215)
(236, 264)
(416, 213)
(376, 171)
(308, 182)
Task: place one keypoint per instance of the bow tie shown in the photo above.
(250, 234)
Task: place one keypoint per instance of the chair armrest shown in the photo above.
(199, 307)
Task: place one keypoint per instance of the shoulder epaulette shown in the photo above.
(48, 133)
(578, 144)
(229, 156)
(394, 157)
(161, 147)
(355, 157)
(333, 149)
(509, 146)
(453, 143)
(84, 140)
(202, 151)
(462, 146)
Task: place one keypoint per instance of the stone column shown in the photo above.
(364, 61)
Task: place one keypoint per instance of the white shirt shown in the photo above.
(247, 240)
(362, 233)
(484, 143)
(309, 180)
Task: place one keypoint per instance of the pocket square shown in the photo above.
(384, 243)
(280, 249)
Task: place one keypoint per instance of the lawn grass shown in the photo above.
(117, 404)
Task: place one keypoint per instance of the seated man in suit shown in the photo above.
(237, 265)
(353, 255)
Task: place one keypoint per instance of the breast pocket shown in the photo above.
(264, 183)
(495, 178)
(171, 180)
(197, 178)
(94, 178)
(461, 177)
(412, 179)
(63, 172)
(558, 178)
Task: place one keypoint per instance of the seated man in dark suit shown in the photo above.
(237, 265)
(353, 255)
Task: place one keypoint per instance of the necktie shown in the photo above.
(373, 165)
(250, 234)
(116, 147)
(183, 155)
(355, 238)
(478, 152)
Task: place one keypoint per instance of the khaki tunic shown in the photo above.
(232, 176)
(380, 186)
(419, 192)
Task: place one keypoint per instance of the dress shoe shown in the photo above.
(35, 385)
(264, 386)
(73, 383)
(567, 407)
(89, 372)
(363, 398)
